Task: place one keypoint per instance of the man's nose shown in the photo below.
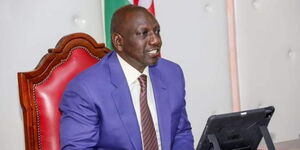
(155, 39)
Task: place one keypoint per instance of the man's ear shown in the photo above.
(117, 41)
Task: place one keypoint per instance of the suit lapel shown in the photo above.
(123, 102)
(162, 107)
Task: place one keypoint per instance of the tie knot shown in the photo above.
(143, 79)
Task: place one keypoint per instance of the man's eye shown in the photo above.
(142, 33)
(157, 31)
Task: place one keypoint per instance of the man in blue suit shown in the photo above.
(101, 108)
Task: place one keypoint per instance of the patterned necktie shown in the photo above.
(148, 130)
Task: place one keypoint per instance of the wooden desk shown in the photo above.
(288, 145)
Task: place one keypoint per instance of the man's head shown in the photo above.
(135, 36)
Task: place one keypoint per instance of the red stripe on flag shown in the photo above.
(151, 8)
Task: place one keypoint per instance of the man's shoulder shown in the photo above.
(169, 72)
(95, 72)
(167, 67)
(166, 64)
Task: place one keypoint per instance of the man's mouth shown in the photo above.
(153, 52)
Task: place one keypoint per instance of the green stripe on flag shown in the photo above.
(110, 6)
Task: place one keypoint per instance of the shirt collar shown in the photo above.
(130, 72)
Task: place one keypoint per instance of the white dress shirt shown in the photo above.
(132, 75)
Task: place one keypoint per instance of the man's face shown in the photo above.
(141, 40)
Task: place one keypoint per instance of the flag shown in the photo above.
(110, 6)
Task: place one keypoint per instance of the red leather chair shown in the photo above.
(41, 89)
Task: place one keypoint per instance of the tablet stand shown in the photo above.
(213, 140)
(263, 129)
(265, 132)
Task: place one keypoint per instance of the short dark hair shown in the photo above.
(119, 16)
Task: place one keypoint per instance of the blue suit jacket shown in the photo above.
(98, 113)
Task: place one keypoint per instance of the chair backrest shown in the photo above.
(41, 89)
